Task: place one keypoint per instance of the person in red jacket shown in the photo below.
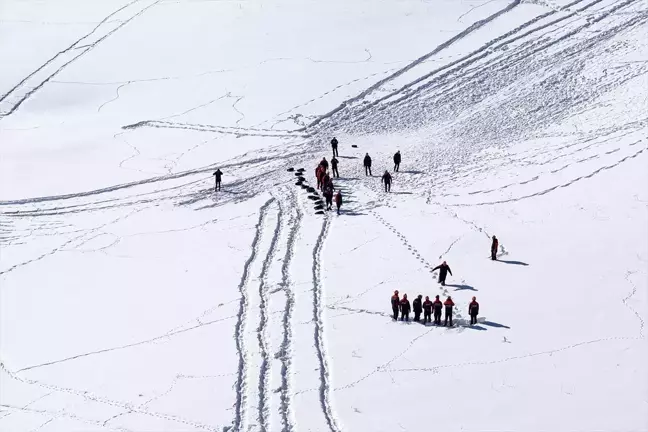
(494, 247)
(395, 303)
(438, 306)
(405, 308)
(318, 175)
(473, 310)
(449, 304)
(427, 310)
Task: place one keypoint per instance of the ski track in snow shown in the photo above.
(320, 342)
(285, 350)
(240, 406)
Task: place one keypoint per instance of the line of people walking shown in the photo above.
(325, 184)
(428, 308)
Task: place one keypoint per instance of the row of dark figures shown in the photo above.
(428, 308)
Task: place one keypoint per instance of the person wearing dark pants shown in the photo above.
(449, 304)
(387, 179)
(334, 164)
(395, 303)
(218, 174)
(367, 165)
(334, 145)
(417, 308)
(397, 160)
(405, 308)
(438, 306)
(473, 310)
(494, 247)
(338, 200)
(427, 310)
(443, 268)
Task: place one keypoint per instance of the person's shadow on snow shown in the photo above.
(512, 262)
(462, 287)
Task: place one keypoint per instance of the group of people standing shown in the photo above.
(325, 183)
(429, 307)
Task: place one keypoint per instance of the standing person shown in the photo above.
(334, 164)
(449, 304)
(218, 174)
(427, 310)
(417, 308)
(324, 163)
(438, 305)
(397, 159)
(367, 165)
(387, 179)
(395, 302)
(334, 144)
(405, 308)
(494, 247)
(443, 268)
(338, 200)
(318, 176)
(326, 179)
(328, 195)
(473, 310)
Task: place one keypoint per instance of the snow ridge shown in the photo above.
(262, 329)
(240, 406)
(325, 386)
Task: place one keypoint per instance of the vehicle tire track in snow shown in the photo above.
(240, 405)
(262, 329)
(285, 350)
(320, 347)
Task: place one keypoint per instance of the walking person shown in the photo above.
(397, 160)
(443, 268)
(473, 310)
(334, 145)
(334, 164)
(395, 303)
(326, 179)
(324, 163)
(318, 175)
(494, 247)
(438, 306)
(338, 200)
(328, 195)
(449, 304)
(367, 165)
(427, 310)
(387, 179)
(405, 308)
(417, 308)
(218, 175)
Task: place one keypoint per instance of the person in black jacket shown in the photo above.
(438, 307)
(367, 164)
(427, 310)
(494, 247)
(334, 164)
(473, 310)
(387, 179)
(443, 268)
(334, 144)
(218, 174)
(405, 308)
(397, 159)
(324, 163)
(417, 308)
(395, 303)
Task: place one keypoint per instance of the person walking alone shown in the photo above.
(494, 247)
(387, 179)
(334, 146)
(443, 268)
(338, 200)
(218, 175)
(397, 161)
(367, 165)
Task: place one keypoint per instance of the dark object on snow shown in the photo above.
(443, 268)
(338, 200)
(319, 212)
(301, 169)
(494, 247)
(218, 174)
(304, 186)
(300, 178)
(473, 310)
(405, 308)
(334, 164)
(311, 189)
(449, 304)
(313, 197)
(367, 164)
(290, 169)
(319, 207)
(297, 174)
(417, 308)
(397, 160)
(299, 183)
(354, 146)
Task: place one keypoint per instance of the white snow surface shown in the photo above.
(135, 298)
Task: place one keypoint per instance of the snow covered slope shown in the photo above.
(135, 298)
